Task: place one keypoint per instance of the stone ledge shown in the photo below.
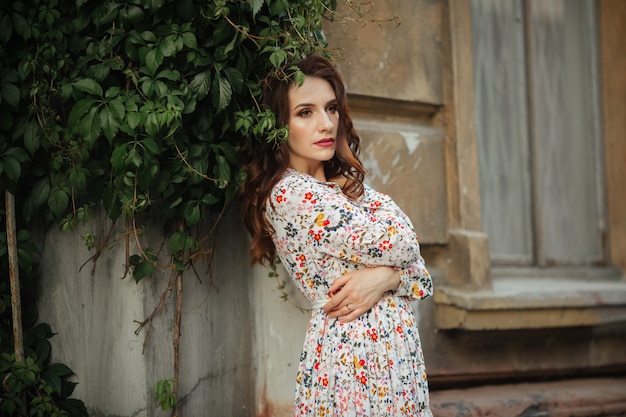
(544, 300)
(591, 397)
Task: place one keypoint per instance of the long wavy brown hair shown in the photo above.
(265, 164)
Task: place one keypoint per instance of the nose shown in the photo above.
(325, 122)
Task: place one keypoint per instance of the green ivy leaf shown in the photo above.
(142, 270)
(229, 151)
(41, 192)
(109, 122)
(79, 109)
(90, 127)
(17, 153)
(148, 37)
(6, 29)
(117, 108)
(235, 78)
(53, 381)
(201, 83)
(222, 171)
(167, 47)
(154, 59)
(132, 14)
(78, 178)
(111, 203)
(189, 40)
(222, 92)
(88, 86)
(169, 74)
(31, 137)
(58, 201)
(10, 94)
(256, 6)
(11, 168)
(133, 119)
(243, 121)
(164, 394)
(210, 199)
(178, 241)
(73, 407)
(192, 215)
(278, 57)
(118, 157)
(151, 146)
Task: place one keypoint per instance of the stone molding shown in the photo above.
(535, 298)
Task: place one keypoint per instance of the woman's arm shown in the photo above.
(319, 216)
(415, 281)
(356, 292)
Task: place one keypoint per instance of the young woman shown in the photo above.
(350, 250)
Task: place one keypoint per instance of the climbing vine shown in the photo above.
(136, 108)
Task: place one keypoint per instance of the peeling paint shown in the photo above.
(373, 169)
(411, 140)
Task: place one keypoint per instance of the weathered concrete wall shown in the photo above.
(280, 330)
(402, 62)
(96, 314)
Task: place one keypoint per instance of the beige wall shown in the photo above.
(613, 67)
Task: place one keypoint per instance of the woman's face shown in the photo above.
(313, 121)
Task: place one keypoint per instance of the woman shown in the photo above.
(350, 250)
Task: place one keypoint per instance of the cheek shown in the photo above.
(296, 130)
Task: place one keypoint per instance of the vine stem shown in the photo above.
(178, 314)
(14, 276)
(177, 325)
(192, 169)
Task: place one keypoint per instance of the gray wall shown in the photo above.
(95, 316)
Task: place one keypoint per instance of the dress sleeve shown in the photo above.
(415, 280)
(319, 215)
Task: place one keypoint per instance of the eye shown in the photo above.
(332, 108)
(304, 113)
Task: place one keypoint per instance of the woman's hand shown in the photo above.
(357, 291)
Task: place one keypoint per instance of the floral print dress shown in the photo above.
(373, 365)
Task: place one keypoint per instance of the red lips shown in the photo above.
(325, 142)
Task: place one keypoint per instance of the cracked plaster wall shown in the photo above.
(95, 317)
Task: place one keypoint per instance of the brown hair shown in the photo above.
(265, 165)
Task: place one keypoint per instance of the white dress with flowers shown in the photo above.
(372, 366)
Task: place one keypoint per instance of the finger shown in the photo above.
(338, 283)
(336, 295)
(351, 316)
(335, 305)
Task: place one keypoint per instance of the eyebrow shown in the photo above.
(313, 105)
